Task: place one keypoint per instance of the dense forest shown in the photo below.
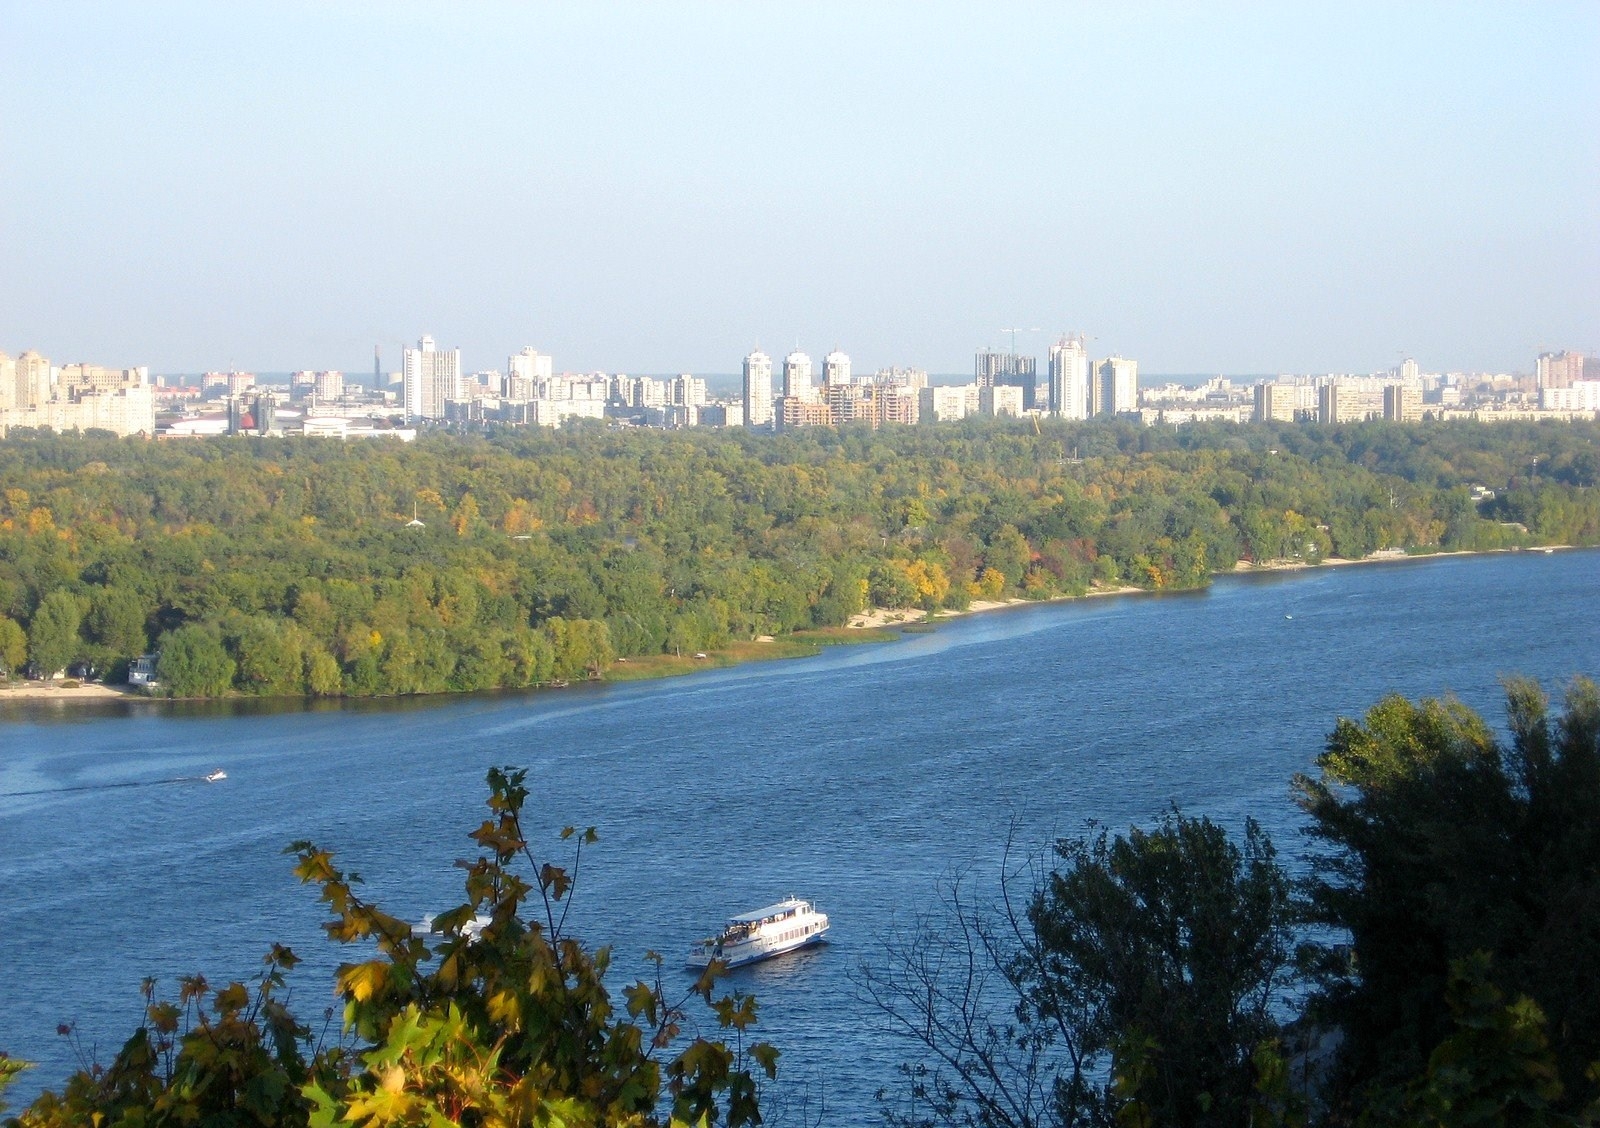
(459, 563)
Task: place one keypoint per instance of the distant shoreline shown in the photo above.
(886, 619)
(875, 625)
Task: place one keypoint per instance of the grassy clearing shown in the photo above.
(801, 644)
(673, 665)
(846, 636)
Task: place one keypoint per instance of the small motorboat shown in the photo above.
(216, 776)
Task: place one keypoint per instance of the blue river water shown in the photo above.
(862, 778)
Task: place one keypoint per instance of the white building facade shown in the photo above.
(1068, 396)
(1115, 390)
(836, 368)
(758, 390)
(797, 377)
(430, 378)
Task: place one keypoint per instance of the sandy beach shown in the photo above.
(882, 617)
(55, 691)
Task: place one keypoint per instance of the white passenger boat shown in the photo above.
(766, 932)
(217, 776)
(469, 929)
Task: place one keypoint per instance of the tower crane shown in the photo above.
(1014, 333)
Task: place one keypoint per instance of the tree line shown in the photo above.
(458, 563)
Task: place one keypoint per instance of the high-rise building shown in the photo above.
(430, 378)
(530, 364)
(1339, 401)
(1000, 399)
(943, 403)
(836, 368)
(80, 397)
(758, 390)
(329, 386)
(33, 379)
(1115, 389)
(1408, 371)
(686, 391)
(797, 374)
(1559, 370)
(1068, 396)
(1009, 369)
(1275, 401)
(1402, 403)
(912, 379)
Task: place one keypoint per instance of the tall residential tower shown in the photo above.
(1069, 379)
(431, 377)
(758, 390)
(797, 377)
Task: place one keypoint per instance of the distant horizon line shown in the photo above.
(357, 375)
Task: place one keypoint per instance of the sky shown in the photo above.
(660, 187)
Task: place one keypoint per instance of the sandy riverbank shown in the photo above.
(880, 617)
(55, 691)
(1381, 558)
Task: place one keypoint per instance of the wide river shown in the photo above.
(862, 778)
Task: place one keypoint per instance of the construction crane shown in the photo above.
(1014, 333)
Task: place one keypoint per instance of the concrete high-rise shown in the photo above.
(797, 377)
(1115, 389)
(995, 369)
(430, 379)
(836, 368)
(1068, 396)
(758, 390)
(1402, 404)
(1275, 401)
(1554, 370)
(78, 397)
(33, 380)
(530, 364)
(329, 386)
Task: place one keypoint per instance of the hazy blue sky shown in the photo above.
(656, 187)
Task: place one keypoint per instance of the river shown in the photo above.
(861, 778)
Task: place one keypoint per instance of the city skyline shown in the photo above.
(1244, 190)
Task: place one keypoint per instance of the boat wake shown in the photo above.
(108, 786)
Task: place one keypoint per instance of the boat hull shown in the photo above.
(742, 955)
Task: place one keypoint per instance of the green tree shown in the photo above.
(13, 646)
(1169, 948)
(1139, 984)
(1009, 554)
(322, 675)
(1445, 842)
(53, 638)
(194, 662)
(1495, 1068)
(116, 623)
(267, 657)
